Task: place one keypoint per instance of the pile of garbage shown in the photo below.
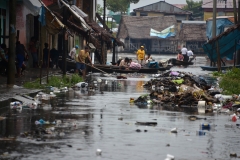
(181, 91)
(47, 130)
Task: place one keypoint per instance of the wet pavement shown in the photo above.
(104, 119)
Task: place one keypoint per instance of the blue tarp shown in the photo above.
(42, 18)
(220, 25)
(153, 65)
(228, 44)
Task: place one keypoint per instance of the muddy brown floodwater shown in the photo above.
(106, 120)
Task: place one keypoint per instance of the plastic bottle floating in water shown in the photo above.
(206, 126)
(200, 133)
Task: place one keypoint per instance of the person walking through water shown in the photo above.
(45, 55)
(81, 58)
(33, 51)
(54, 54)
(3, 59)
(184, 53)
(20, 53)
(141, 55)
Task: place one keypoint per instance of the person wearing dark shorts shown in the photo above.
(83, 55)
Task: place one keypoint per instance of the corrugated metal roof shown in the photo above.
(33, 6)
(162, 7)
(220, 4)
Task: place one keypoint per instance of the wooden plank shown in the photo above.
(24, 100)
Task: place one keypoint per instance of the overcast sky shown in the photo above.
(146, 2)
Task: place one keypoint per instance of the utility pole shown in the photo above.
(104, 55)
(214, 19)
(238, 11)
(238, 52)
(213, 26)
(12, 43)
(235, 11)
(225, 7)
(64, 42)
(104, 12)
(114, 52)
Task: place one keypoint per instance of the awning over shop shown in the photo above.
(76, 13)
(228, 42)
(48, 19)
(79, 24)
(33, 6)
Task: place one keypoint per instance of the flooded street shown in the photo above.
(105, 120)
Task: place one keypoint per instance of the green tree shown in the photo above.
(99, 9)
(119, 5)
(195, 8)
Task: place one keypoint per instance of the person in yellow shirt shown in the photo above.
(81, 60)
(141, 55)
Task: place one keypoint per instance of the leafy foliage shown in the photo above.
(99, 9)
(217, 74)
(194, 7)
(119, 5)
(55, 81)
(230, 82)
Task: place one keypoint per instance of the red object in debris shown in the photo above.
(229, 105)
(234, 118)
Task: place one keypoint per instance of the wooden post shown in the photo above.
(219, 58)
(17, 35)
(235, 53)
(238, 52)
(238, 11)
(12, 43)
(214, 19)
(0, 35)
(104, 12)
(235, 11)
(64, 54)
(114, 53)
(111, 24)
(40, 61)
(49, 44)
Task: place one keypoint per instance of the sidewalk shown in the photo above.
(29, 75)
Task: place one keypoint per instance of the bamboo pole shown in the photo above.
(95, 68)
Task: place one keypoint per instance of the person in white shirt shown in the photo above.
(190, 55)
(184, 53)
(72, 53)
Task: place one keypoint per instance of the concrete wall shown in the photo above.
(21, 24)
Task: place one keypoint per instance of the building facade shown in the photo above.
(224, 8)
(162, 8)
